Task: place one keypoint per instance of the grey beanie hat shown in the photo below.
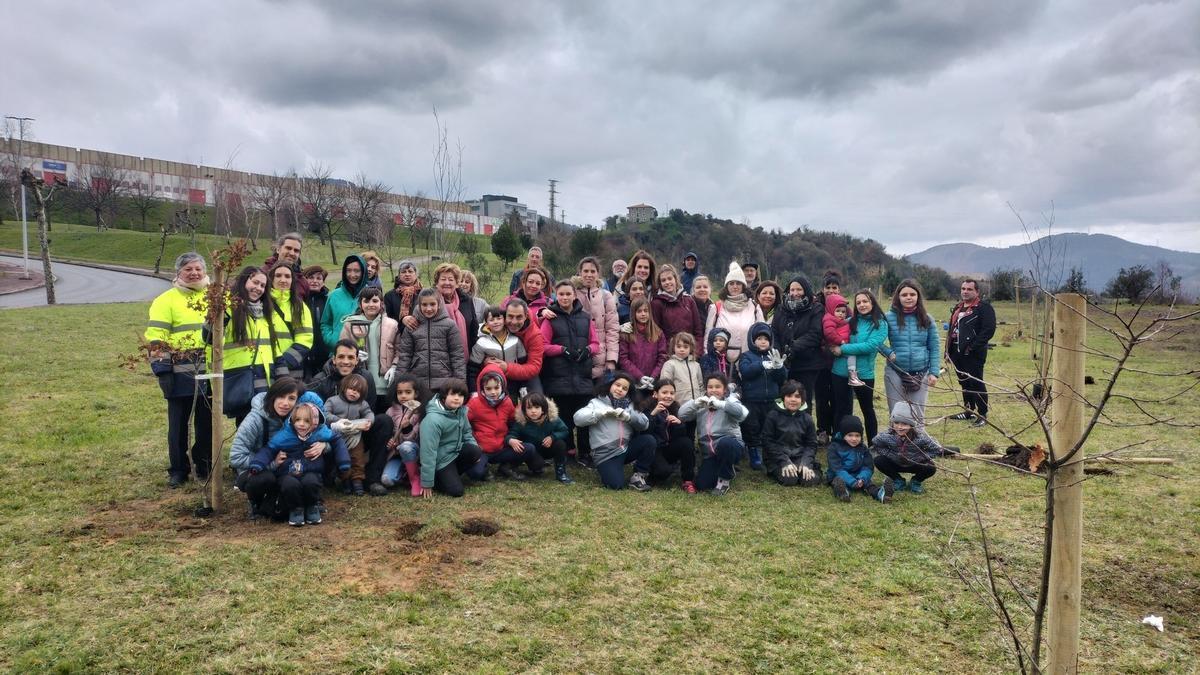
(188, 258)
(404, 264)
(903, 412)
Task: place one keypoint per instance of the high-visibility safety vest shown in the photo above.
(257, 351)
(177, 321)
(295, 338)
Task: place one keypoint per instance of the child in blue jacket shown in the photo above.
(300, 475)
(761, 372)
(850, 464)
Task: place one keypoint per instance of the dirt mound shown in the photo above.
(406, 530)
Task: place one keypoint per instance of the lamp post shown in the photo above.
(20, 161)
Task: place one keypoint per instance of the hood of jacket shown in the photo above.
(362, 283)
(782, 304)
(491, 370)
(833, 301)
(551, 413)
(783, 409)
(435, 409)
(712, 334)
(759, 328)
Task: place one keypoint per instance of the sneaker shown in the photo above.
(321, 506)
(963, 416)
(506, 471)
(357, 488)
(585, 461)
(312, 515)
(721, 488)
(175, 480)
(898, 485)
(296, 518)
(979, 422)
(377, 490)
(253, 513)
(915, 487)
(560, 472)
(638, 482)
(756, 462)
(689, 487)
(853, 381)
(885, 493)
(840, 490)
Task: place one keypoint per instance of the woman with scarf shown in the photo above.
(797, 328)
(674, 310)
(343, 301)
(531, 290)
(735, 312)
(250, 339)
(401, 301)
(176, 348)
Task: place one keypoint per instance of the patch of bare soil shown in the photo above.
(1163, 587)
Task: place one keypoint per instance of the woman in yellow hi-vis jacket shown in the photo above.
(291, 319)
(251, 344)
(173, 334)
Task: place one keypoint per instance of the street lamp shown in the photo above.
(20, 161)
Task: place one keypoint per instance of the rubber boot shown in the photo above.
(414, 477)
(560, 472)
(756, 462)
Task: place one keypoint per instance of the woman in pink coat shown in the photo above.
(735, 312)
(601, 306)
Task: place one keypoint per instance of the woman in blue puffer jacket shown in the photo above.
(913, 350)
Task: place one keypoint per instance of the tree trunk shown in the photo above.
(47, 273)
(215, 476)
(332, 250)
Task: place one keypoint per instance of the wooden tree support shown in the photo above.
(216, 475)
(1089, 460)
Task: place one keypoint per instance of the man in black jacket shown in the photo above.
(344, 362)
(972, 325)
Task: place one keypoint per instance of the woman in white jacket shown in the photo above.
(735, 312)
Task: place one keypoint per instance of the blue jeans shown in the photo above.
(720, 464)
(407, 452)
(640, 452)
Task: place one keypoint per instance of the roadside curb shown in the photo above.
(100, 266)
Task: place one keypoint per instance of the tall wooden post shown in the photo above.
(1067, 410)
(1033, 330)
(1017, 295)
(216, 475)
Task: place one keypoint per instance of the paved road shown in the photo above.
(82, 285)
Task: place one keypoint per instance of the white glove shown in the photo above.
(343, 426)
(391, 373)
(646, 382)
(627, 327)
(702, 401)
(362, 356)
(716, 404)
(774, 360)
(612, 412)
(624, 415)
(413, 404)
(523, 392)
(806, 473)
(789, 470)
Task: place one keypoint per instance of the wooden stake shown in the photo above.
(1017, 295)
(1067, 411)
(216, 475)
(1089, 460)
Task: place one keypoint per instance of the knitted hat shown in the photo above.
(735, 274)
(903, 412)
(850, 425)
(750, 264)
(404, 264)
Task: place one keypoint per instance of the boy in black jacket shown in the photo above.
(790, 439)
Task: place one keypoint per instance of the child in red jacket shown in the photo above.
(490, 412)
(836, 326)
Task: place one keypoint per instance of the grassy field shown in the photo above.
(105, 569)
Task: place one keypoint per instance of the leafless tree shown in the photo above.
(100, 188)
(142, 199)
(322, 203)
(42, 194)
(365, 210)
(270, 195)
(447, 179)
(416, 216)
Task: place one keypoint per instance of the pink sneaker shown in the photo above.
(854, 381)
(689, 487)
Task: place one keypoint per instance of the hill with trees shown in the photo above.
(716, 241)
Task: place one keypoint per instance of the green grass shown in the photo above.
(104, 569)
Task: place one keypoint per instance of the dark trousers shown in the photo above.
(752, 425)
(808, 379)
(892, 468)
(791, 481)
(557, 451)
(530, 458)
(448, 479)
(680, 449)
(969, 368)
(375, 445)
(843, 403)
(262, 491)
(299, 491)
(823, 409)
(568, 405)
(640, 453)
(179, 413)
(720, 464)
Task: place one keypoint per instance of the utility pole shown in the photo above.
(553, 192)
(20, 165)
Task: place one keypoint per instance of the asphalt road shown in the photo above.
(76, 285)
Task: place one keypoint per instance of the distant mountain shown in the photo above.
(1100, 256)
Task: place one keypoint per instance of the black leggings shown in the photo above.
(680, 449)
(843, 403)
(448, 479)
(179, 414)
(823, 408)
(892, 468)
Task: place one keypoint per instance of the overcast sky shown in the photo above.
(914, 123)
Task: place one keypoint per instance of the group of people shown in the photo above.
(435, 388)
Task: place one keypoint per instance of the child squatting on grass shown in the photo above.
(790, 439)
(448, 448)
(850, 465)
(350, 415)
(717, 414)
(300, 477)
(614, 429)
(539, 430)
(904, 448)
(405, 411)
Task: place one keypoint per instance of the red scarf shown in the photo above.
(457, 317)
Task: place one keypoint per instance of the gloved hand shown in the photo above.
(389, 375)
(807, 473)
(613, 412)
(362, 356)
(702, 401)
(342, 426)
(624, 415)
(412, 404)
(774, 360)
(789, 471)
(569, 354)
(646, 382)
(627, 327)
(717, 404)
(583, 355)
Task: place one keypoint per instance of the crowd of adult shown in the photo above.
(738, 347)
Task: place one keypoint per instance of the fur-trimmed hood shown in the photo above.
(551, 413)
